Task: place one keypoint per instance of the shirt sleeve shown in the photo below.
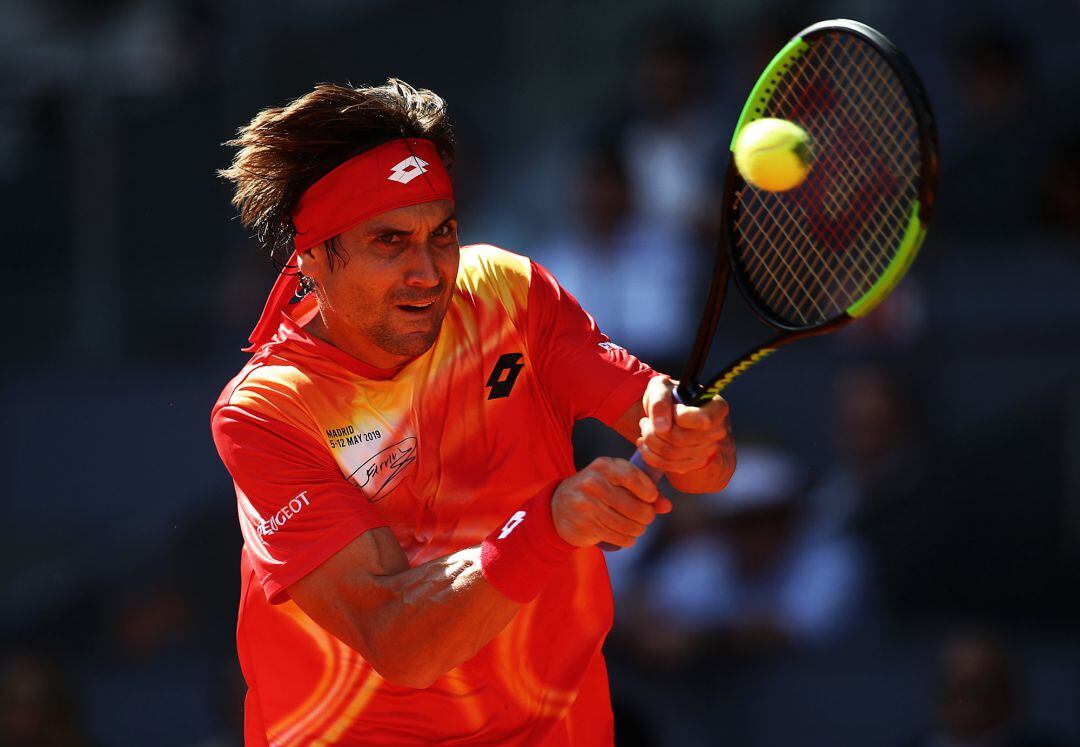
(585, 374)
(296, 508)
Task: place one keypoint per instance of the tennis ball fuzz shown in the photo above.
(773, 154)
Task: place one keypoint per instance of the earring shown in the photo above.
(307, 285)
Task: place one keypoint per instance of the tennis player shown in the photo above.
(420, 561)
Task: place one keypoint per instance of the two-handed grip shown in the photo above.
(656, 475)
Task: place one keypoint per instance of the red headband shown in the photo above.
(393, 175)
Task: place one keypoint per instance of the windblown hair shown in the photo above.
(284, 150)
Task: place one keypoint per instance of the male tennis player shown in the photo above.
(420, 561)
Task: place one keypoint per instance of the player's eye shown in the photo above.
(443, 231)
(389, 238)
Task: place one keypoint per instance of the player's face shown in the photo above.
(387, 302)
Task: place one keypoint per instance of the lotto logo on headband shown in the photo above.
(408, 170)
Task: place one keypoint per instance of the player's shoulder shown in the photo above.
(487, 263)
(269, 387)
(488, 274)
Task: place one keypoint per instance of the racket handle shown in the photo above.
(654, 474)
(681, 395)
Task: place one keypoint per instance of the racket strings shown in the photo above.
(891, 122)
(845, 184)
(803, 275)
(812, 252)
(860, 162)
(841, 191)
(861, 266)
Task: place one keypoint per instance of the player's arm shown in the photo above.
(410, 624)
(414, 624)
(693, 446)
(586, 376)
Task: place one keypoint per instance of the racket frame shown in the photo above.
(690, 389)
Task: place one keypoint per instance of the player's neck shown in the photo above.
(355, 344)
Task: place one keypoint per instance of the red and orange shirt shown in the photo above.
(323, 447)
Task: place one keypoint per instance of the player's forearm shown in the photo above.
(412, 624)
(432, 618)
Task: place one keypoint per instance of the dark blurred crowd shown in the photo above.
(885, 567)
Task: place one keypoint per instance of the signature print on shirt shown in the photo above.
(383, 472)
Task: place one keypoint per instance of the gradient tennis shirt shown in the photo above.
(323, 447)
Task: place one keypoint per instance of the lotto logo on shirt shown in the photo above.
(286, 512)
(502, 378)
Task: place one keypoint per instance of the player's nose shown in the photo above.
(423, 271)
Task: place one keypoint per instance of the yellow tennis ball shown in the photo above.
(773, 154)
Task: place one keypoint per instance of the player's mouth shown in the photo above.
(418, 307)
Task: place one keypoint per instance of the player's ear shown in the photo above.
(313, 262)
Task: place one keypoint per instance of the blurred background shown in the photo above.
(897, 561)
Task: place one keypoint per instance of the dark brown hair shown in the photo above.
(284, 150)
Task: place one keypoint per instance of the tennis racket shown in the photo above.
(812, 259)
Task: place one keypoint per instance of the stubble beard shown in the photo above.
(406, 343)
(411, 344)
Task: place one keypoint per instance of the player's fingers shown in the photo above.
(702, 418)
(668, 450)
(613, 521)
(669, 467)
(616, 538)
(675, 465)
(621, 473)
(630, 506)
(659, 403)
(679, 436)
(663, 505)
(691, 418)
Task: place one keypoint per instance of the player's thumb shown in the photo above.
(659, 403)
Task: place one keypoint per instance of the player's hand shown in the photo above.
(692, 445)
(610, 501)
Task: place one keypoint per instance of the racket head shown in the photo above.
(813, 258)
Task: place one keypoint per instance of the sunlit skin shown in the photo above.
(385, 304)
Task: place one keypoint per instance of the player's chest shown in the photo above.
(459, 435)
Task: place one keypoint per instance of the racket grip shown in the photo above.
(680, 396)
(638, 461)
(654, 474)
